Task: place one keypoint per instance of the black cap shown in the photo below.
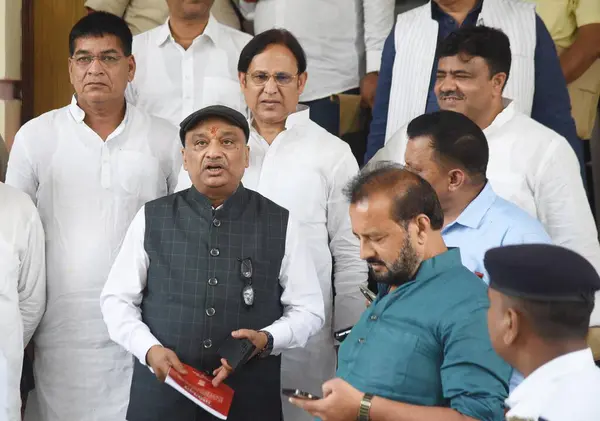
(541, 272)
(234, 117)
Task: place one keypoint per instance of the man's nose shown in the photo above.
(366, 251)
(95, 67)
(447, 84)
(214, 150)
(271, 86)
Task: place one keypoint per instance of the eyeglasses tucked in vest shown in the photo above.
(246, 274)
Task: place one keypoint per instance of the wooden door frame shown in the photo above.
(27, 69)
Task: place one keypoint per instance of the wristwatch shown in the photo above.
(365, 407)
(266, 351)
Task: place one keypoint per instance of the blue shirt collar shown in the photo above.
(473, 214)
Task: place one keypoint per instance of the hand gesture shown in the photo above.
(162, 359)
(258, 339)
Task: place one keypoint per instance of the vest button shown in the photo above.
(214, 252)
(361, 340)
(373, 317)
(207, 343)
(212, 282)
(210, 312)
(216, 223)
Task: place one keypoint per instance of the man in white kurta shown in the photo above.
(22, 290)
(187, 63)
(529, 164)
(343, 40)
(88, 167)
(303, 168)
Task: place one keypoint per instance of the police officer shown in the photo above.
(541, 298)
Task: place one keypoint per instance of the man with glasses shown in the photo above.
(206, 264)
(88, 167)
(300, 166)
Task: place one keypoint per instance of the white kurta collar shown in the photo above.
(505, 116)
(301, 116)
(525, 400)
(163, 33)
(79, 115)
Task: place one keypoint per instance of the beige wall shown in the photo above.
(10, 64)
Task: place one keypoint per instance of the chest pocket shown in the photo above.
(389, 370)
(223, 91)
(139, 175)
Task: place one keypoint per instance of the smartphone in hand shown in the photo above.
(299, 394)
(369, 295)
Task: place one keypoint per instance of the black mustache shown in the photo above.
(455, 94)
(375, 262)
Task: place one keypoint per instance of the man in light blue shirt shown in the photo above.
(451, 152)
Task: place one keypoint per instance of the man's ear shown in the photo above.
(132, 67)
(456, 179)
(498, 82)
(512, 324)
(302, 78)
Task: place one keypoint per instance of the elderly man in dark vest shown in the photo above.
(206, 264)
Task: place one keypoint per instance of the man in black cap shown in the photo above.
(202, 265)
(541, 298)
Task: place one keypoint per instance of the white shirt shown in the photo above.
(535, 168)
(123, 293)
(564, 389)
(172, 83)
(87, 192)
(22, 290)
(342, 39)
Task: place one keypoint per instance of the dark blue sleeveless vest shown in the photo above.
(193, 299)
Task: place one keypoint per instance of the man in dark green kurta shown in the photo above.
(421, 351)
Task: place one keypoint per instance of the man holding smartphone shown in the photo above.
(421, 351)
(207, 264)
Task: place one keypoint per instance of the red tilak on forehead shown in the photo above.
(213, 131)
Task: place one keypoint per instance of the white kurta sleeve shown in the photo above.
(122, 294)
(32, 277)
(21, 171)
(302, 299)
(394, 149)
(349, 270)
(176, 167)
(379, 20)
(563, 207)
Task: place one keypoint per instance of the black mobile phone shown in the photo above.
(340, 335)
(299, 394)
(369, 295)
(236, 351)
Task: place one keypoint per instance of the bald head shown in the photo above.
(409, 195)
